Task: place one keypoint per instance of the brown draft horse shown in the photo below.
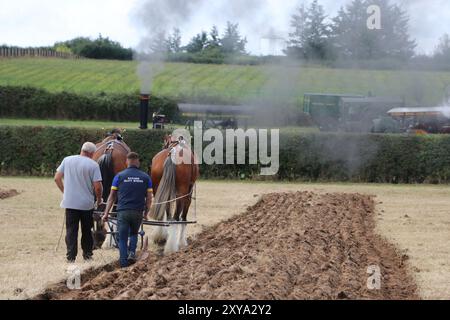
(111, 155)
(172, 179)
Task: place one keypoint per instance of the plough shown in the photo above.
(113, 222)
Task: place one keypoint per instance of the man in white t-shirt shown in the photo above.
(80, 180)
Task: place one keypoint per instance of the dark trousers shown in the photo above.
(129, 223)
(73, 219)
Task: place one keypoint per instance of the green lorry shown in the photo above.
(347, 112)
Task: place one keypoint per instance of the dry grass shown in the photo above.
(413, 217)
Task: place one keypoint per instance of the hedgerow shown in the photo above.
(29, 102)
(307, 157)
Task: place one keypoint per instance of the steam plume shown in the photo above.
(159, 17)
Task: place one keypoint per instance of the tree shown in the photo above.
(395, 38)
(174, 41)
(100, 48)
(214, 41)
(310, 36)
(352, 39)
(198, 43)
(317, 32)
(159, 44)
(232, 42)
(442, 51)
(75, 45)
(297, 39)
(62, 48)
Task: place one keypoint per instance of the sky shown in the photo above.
(43, 22)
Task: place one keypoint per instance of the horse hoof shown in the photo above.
(183, 244)
(160, 242)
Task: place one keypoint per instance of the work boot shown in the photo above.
(88, 257)
(132, 258)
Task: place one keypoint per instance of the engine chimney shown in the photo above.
(144, 98)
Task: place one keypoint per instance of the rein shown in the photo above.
(173, 200)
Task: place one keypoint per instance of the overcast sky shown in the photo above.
(43, 22)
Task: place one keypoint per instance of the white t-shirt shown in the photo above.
(80, 173)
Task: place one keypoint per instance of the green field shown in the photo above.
(68, 123)
(223, 82)
(109, 125)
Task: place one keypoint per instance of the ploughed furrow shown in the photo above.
(288, 246)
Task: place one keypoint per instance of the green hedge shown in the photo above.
(309, 157)
(28, 102)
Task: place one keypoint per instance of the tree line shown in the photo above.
(340, 40)
(205, 47)
(99, 48)
(316, 36)
(346, 38)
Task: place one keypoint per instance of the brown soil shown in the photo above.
(4, 194)
(288, 246)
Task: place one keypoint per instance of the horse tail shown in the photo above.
(166, 192)
(107, 170)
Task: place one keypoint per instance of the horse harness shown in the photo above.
(110, 146)
(171, 146)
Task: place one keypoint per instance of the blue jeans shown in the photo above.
(129, 223)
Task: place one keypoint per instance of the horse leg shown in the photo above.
(183, 238)
(160, 235)
(109, 241)
(173, 240)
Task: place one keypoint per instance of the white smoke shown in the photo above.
(158, 18)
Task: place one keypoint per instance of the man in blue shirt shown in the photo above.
(134, 191)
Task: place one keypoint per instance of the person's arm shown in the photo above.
(112, 197)
(98, 187)
(60, 175)
(149, 198)
(59, 181)
(149, 203)
(111, 200)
